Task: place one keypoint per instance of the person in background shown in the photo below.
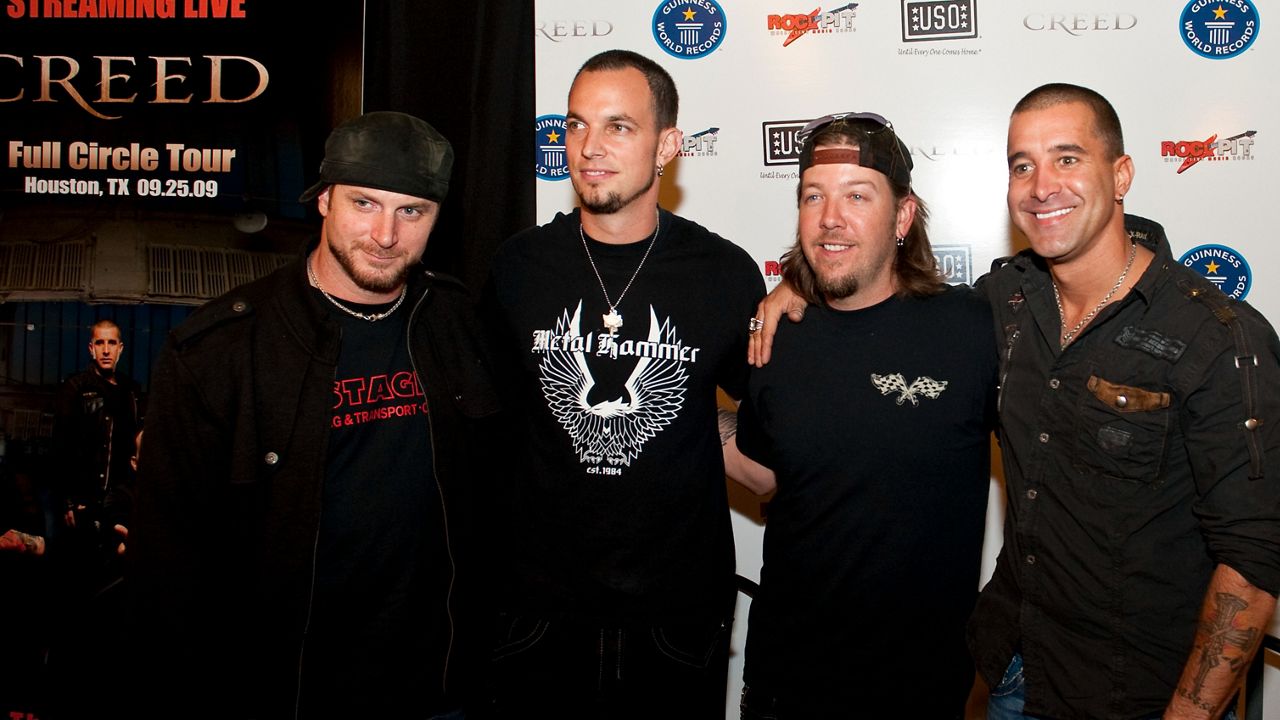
(98, 412)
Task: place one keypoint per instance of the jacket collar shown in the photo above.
(1147, 232)
(306, 315)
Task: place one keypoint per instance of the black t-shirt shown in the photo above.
(378, 633)
(877, 423)
(617, 503)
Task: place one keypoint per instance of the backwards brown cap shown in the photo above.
(877, 147)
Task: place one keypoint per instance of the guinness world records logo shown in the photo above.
(688, 29)
(1219, 29)
(548, 139)
(1221, 266)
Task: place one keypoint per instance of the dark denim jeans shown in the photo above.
(550, 668)
(1008, 698)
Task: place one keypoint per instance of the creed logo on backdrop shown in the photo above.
(1077, 24)
(561, 30)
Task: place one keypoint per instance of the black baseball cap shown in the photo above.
(388, 151)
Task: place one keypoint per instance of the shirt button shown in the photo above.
(1121, 401)
(271, 458)
(1031, 559)
(1044, 437)
(239, 306)
(1031, 494)
(1054, 383)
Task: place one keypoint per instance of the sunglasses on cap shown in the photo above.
(897, 171)
(814, 126)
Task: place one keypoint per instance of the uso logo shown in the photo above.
(1221, 266)
(548, 139)
(924, 20)
(1219, 29)
(689, 29)
(780, 146)
(954, 263)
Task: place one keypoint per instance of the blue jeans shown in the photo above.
(554, 668)
(1008, 698)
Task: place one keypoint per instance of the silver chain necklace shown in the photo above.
(613, 321)
(1069, 335)
(371, 317)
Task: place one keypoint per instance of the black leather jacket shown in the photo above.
(93, 436)
(229, 488)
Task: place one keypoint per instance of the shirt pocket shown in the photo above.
(1123, 430)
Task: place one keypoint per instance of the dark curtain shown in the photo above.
(466, 68)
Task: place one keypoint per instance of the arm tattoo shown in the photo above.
(728, 421)
(1219, 633)
(20, 542)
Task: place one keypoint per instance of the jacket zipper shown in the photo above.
(435, 478)
(311, 591)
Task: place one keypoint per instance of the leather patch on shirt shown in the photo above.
(1126, 399)
(1151, 343)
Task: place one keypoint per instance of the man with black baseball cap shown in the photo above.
(299, 545)
(875, 414)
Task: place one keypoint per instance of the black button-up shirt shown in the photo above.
(1131, 474)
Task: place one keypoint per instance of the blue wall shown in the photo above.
(48, 341)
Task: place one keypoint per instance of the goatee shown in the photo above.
(837, 288)
(612, 202)
(368, 281)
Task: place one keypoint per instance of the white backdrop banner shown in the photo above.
(1188, 80)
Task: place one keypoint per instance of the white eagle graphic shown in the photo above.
(612, 431)
(923, 385)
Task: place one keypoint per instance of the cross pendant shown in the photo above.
(612, 321)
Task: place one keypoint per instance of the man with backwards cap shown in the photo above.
(297, 548)
(1141, 554)
(872, 423)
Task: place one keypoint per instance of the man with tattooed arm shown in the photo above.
(1138, 429)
